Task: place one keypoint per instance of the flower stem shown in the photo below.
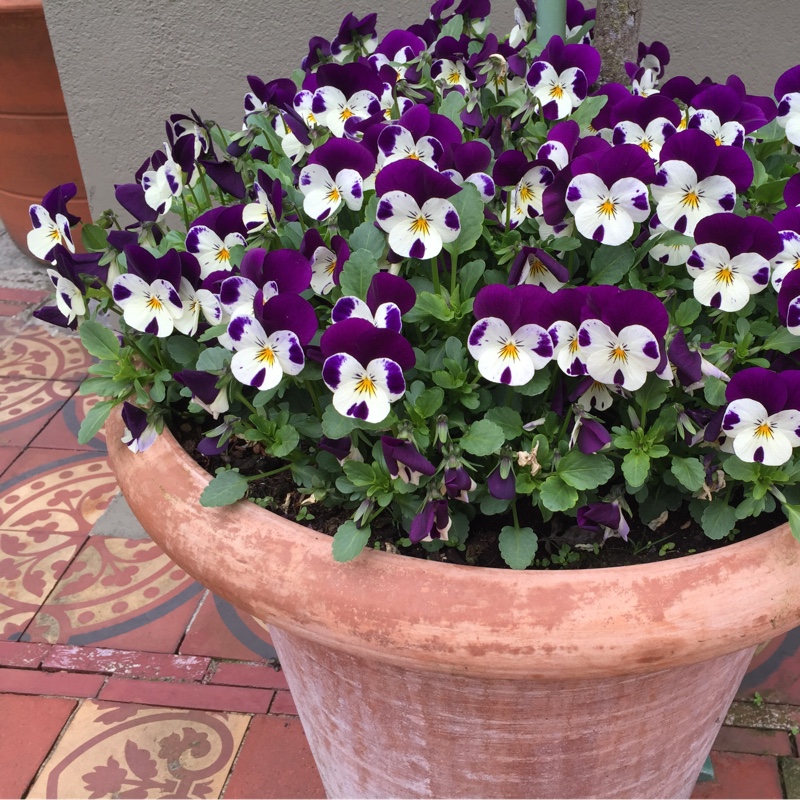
(435, 276)
(453, 272)
(514, 514)
(269, 474)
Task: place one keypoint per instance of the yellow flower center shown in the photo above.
(266, 353)
(525, 193)
(154, 304)
(724, 275)
(646, 145)
(223, 254)
(796, 264)
(573, 345)
(55, 234)
(310, 119)
(618, 353)
(413, 155)
(454, 78)
(333, 195)
(608, 208)
(421, 225)
(536, 267)
(366, 386)
(331, 267)
(718, 140)
(764, 431)
(556, 91)
(345, 114)
(691, 199)
(509, 351)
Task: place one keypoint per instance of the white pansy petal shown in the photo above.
(671, 178)
(209, 304)
(387, 376)
(351, 187)
(583, 188)
(341, 369)
(740, 415)
(246, 332)
(237, 292)
(566, 349)
(497, 366)
(720, 288)
(128, 287)
(416, 238)
(321, 203)
(69, 299)
(633, 197)
(62, 224)
(387, 315)
(287, 349)
(486, 335)
(544, 76)
(536, 342)
(788, 259)
(708, 255)
(443, 216)
(753, 269)
(395, 207)
(756, 445)
(606, 222)
(348, 307)
(256, 216)
(314, 177)
(256, 366)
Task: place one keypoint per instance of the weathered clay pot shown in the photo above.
(37, 151)
(417, 678)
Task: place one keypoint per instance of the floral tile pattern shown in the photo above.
(7, 457)
(26, 406)
(31, 562)
(111, 750)
(120, 593)
(61, 432)
(56, 490)
(220, 630)
(34, 353)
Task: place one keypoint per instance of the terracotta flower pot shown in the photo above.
(37, 151)
(417, 678)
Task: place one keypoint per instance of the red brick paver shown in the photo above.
(64, 684)
(740, 775)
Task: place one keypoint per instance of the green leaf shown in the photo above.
(718, 519)
(429, 304)
(94, 420)
(334, 425)
(367, 237)
(452, 106)
(359, 473)
(652, 394)
(286, 440)
(224, 489)
(583, 471)
(690, 472)
(469, 274)
(469, 205)
(357, 273)
(214, 359)
(781, 340)
(539, 383)
(518, 546)
(588, 110)
(183, 349)
(483, 438)
(636, 467)
(99, 341)
(158, 391)
(556, 495)
(714, 391)
(793, 518)
(104, 387)
(429, 402)
(492, 505)
(741, 470)
(610, 264)
(213, 332)
(349, 540)
(454, 28)
(95, 239)
(687, 312)
(508, 419)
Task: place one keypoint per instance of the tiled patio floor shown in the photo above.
(122, 677)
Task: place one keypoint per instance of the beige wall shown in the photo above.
(125, 65)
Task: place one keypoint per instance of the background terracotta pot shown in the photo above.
(417, 678)
(37, 151)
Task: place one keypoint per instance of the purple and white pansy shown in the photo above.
(787, 222)
(561, 76)
(647, 122)
(162, 184)
(697, 178)
(608, 194)
(205, 392)
(345, 91)
(364, 368)
(139, 433)
(526, 182)
(51, 222)
(414, 209)
(762, 418)
(508, 341)
(731, 260)
(534, 266)
(388, 298)
(148, 292)
(789, 302)
(267, 208)
(326, 262)
(269, 344)
(404, 461)
(197, 299)
(787, 93)
(212, 237)
(335, 174)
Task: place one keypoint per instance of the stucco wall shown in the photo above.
(125, 65)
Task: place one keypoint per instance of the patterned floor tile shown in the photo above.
(122, 750)
(63, 490)
(61, 432)
(26, 406)
(28, 728)
(119, 593)
(775, 671)
(31, 562)
(7, 456)
(221, 631)
(36, 353)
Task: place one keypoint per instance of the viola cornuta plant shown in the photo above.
(443, 278)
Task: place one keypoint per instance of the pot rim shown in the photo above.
(505, 623)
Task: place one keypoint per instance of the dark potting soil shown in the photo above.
(562, 544)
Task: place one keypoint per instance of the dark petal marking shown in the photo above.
(762, 277)
(716, 300)
(599, 233)
(152, 326)
(506, 376)
(573, 194)
(236, 328)
(296, 353)
(661, 178)
(731, 419)
(392, 320)
(173, 183)
(680, 225)
(452, 221)
(356, 189)
(695, 261)
(476, 335)
(394, 378)
(121, 292)
(343, 309)
(417, 249)
(793, 316)
(305, 179)
(619, 378)
(554, 336)
(174, 298)
(584, 340)
(651, 350)
(545, 346)
(728, 202)
(385, 210)
(641, 202)
(358, 410)
(577, 368)
(258, 378)
(759, 455)
(324, 214)
(331, 371)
